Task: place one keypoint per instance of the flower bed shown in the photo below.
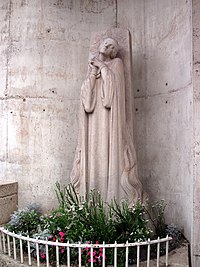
(91, 224)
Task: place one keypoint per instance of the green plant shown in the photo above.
(175, 232)
(42, 235)
(25, 221)
(86, 218)
(155, 213)
(89, 219)
(130, 222)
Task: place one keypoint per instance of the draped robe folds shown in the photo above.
(105, 157)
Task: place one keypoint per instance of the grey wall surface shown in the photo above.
(165, 109)
(196, 81)
(162, 82)
(44, 51)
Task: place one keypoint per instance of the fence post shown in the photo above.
(8, 243)
(14, 248)
(167, 250)
(37, 253)
(57, 254)
(138, 255)
(158, 252)
(126, 264)
(21, 251)
(68, 254)
(79, 254)
(47, 253)
(148, 254)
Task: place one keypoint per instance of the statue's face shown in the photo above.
(107, 47)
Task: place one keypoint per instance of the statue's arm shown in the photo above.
(111, 80)
(88, 93)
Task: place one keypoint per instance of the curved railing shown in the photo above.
(9, 243)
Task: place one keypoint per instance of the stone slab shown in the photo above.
(8, 188)
(8, 200)
(168, 45)
(135, 24)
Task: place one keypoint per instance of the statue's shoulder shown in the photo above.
(118, 61)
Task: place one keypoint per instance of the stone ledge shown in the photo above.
(8, 188)
(8, 200)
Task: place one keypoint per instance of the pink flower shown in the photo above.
(62, 250)
(97, 242)
(86, 248)
(101, 254)
(94, 260)
(42, 256)
(61, 234)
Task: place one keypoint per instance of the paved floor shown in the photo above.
(177, 258)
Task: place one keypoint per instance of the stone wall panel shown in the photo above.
(168, 45)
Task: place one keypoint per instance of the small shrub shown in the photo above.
(130, 222)
(175, 232)
(89, 219)
(42, 235)
(82, 219)
(25, 221)
(155, 213)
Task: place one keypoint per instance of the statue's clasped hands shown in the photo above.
(96, 65)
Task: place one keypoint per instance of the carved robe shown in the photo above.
(105, 157)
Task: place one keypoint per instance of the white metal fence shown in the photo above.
(20, 247)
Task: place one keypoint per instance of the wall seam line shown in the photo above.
(116, 14)
(7, 71)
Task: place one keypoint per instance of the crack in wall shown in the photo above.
(165, 93)
(9, 45)
(7, 70)
(17, 97)
(116, 14)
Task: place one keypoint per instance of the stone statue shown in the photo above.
(105, 157)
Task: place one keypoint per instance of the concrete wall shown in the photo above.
(162, 80)
(196, 76)
(165, 109)
(44, 51)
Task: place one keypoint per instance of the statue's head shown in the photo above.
(110, 46)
